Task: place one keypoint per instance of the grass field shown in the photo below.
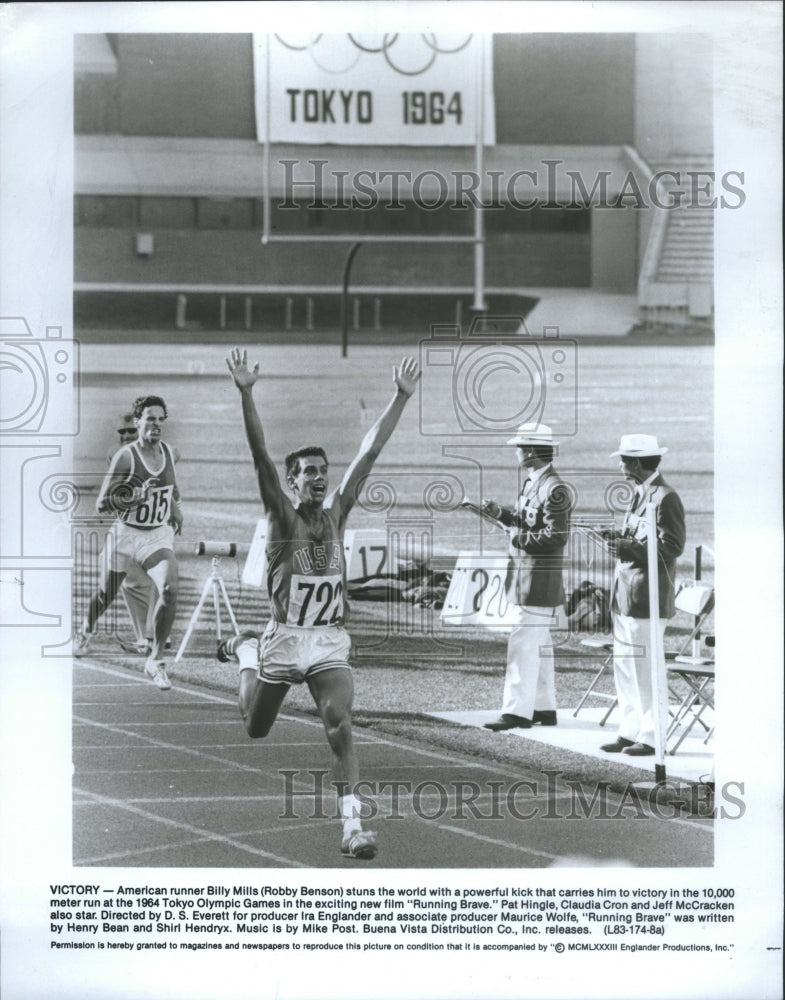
(309, 394)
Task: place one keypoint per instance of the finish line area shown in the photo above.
(171, 780)
(693, 761)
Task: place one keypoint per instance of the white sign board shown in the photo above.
(255, 567)
(367, 553)
(477, 594)
(374, 89)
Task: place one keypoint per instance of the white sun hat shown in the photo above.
(639, 446)
(533, 434)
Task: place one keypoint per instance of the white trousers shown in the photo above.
(529, 683)
(632, 671)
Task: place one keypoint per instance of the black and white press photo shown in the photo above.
(391, 551)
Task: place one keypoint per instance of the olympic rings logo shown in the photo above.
(337, 54)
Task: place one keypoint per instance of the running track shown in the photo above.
(170, 779)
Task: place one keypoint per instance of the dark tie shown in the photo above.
(631, 508)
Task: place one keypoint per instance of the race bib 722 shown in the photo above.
(315, 600)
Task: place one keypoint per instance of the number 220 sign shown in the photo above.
(477, 593)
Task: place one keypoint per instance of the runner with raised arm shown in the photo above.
(306, 579)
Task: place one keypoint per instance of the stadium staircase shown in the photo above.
(676, 284)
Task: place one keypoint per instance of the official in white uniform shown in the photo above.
(639, 458)
(539, 526)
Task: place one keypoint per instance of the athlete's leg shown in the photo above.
(161, 567)
(333, 692)
(137, 591)
(259, 702)
(102, 599)
(149, 625)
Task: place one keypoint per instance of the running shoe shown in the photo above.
(360, 844)
(142, 648)
(156, 671)
(81, 643)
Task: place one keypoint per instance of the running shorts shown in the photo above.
(126, 544)
(289, 655)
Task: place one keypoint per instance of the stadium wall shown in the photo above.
(185, 256)
(674, 98)
(561, 91)
(614, 260)
(551, 89)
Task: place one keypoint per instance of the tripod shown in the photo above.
(213, 584)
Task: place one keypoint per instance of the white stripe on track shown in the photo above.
(202, 835)
(450, 760)
(497, 843)
(153, 744)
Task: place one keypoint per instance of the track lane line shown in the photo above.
(203, 836)
(451, 760)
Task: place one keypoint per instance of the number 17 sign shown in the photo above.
(367, 554)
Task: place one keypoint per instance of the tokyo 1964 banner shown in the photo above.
(363, 89)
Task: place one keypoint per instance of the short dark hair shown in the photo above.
(142, 402)
(648, 462)
(293, 458)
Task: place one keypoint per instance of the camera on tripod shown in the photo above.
(212, 548)
(214, 587)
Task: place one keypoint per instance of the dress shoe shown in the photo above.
(617, 747)
(545, 718)
(508, 722)
(639, 750)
